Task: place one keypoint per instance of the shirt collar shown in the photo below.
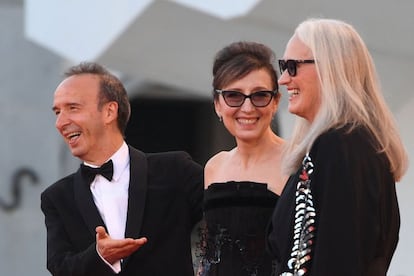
(120, 160)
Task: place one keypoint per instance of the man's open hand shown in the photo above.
(113, 250)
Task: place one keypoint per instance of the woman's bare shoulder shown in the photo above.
(214, 166)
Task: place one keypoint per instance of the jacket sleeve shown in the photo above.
(63, 259)
(192, 174)
(346, 186)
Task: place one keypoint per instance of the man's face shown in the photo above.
(78, 119)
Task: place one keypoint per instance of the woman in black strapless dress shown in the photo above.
(242, 185)
(236, 214)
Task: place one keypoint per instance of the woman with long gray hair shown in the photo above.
(338, 214)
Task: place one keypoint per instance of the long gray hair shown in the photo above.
(350, 93)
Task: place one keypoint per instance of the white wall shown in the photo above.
(27, 75)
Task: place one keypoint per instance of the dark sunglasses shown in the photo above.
(236, 98)
(291, 65)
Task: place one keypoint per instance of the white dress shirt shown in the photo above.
(111, 197)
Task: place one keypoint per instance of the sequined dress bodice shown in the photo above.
(232, 237)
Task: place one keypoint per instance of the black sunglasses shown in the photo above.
(236, 98)
(291, 65)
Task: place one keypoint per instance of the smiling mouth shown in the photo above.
(247, 121)
(73, 135)
(293, 92)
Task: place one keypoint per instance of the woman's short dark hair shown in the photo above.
(238, 59)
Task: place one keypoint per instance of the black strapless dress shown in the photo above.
(232, 236)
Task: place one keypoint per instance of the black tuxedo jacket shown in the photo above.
(165, 202)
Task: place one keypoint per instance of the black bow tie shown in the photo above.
(89, 173)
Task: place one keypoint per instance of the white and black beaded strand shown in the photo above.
(304, 227)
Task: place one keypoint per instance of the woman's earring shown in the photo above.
(220, 118)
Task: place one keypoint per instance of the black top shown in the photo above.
(233, 237)
(357, 217)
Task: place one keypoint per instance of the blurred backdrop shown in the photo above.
(163, 52)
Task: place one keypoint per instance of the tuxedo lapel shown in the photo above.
(137, 193)
(86, 205)
(136, 198)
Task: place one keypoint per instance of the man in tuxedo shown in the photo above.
(123, 211)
